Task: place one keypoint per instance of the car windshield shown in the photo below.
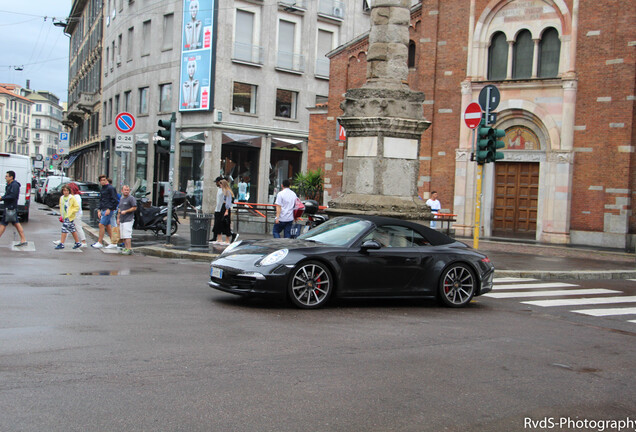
(92, 187)
(337, 232)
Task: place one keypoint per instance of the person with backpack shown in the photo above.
(285, 204)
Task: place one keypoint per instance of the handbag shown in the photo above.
(10, 215)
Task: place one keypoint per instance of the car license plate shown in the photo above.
(216, 273)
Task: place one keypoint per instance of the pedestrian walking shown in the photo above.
(10, 198)
(126, 218)
(435, 206)
(223, 213)
(68, 209)
(107, 205)
(285, 203)
(79, 223)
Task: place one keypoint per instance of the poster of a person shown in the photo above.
(197, 24)
(195, 81)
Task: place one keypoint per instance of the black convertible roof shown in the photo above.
(435, 237)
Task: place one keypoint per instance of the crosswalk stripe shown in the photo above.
(581, 301)
(555, 293)
(533, 286)
(607, 312)
(511, 279)
(632, 321)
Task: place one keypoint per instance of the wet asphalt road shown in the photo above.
(91, 341)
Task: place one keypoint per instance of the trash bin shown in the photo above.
(200, 229)
(92, 208)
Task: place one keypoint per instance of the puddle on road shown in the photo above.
(122, 272)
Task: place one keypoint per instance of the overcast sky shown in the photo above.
(34, 44)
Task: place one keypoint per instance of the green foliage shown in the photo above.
(309, 185)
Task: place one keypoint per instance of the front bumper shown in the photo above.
(244, 283)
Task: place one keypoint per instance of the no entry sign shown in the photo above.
(125, 122)
(472, 115)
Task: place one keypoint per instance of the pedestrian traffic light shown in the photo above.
(483, 139)
(498, 133)
(164, 144)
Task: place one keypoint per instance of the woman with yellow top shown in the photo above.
(68, 209)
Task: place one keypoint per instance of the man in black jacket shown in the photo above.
(10, 198)
(108, 203)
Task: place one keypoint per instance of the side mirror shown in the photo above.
(370, 245)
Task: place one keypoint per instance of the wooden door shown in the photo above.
(516, 196)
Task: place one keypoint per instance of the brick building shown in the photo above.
(565, 71)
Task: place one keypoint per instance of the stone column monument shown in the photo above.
(384, 122)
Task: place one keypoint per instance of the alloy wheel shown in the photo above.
(311, 285)
(457, 286)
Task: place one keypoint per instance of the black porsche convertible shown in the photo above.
(355, 256)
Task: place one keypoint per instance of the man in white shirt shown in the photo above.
(435, 206)
(285, 203)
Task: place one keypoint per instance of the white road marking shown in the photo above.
(581, 301)
(607, 312)
(511, 279)
(632, 321)
(533, 286)
(556, 293)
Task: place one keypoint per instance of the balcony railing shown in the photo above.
(292, 5)
(332, 9)
(322, 67)
(290, 61)
(248, 53)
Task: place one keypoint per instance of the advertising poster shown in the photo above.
(195, 89)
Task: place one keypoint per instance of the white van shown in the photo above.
(21, 165)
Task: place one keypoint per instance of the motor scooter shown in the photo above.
(153, 218)
(314, 218)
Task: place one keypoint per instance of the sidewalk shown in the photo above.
(511, 259)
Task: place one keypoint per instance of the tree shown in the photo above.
(310, 184)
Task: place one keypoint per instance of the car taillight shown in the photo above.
(485, 260)
(28, 191)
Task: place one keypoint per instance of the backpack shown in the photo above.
(299, 208)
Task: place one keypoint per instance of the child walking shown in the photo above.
(69, 209)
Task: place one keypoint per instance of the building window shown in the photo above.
(117, 104)
(145, 41)
(246, 46)
(131, 43)
(105, 111)
(38, 123)
(244, 98)
(523, 51)
(168, 24)
(411, 55)
(110, 111)
(549, 52)
(165, 97)
(107, 60)
(127, 101)
(321, 99)
(143, 100)
(120, 41)
(365, 6)
(288, 58)
(498, 57)
(286, 103)
(325, 44)
(38, 108)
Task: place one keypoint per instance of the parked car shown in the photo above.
(88, 191)
(21, 165)
(39, 186)
(50, 183)
(353, 257)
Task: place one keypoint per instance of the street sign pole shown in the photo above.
(477, 227)
(173, 131)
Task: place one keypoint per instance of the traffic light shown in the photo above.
(498, 133)
(483, 139)
(488, 143)
(164, 144)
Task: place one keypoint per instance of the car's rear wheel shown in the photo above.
(457, 285)
(311, 285)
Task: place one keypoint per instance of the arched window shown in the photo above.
(497, 57)
(523, 51)
(411, 59)
(549, 52)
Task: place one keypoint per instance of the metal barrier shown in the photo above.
(264, 213)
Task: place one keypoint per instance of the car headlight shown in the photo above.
(274, 257)
(231, 247)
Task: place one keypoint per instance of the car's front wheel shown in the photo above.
(311, 285)
(457, 285)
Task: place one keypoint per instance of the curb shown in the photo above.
(167, 252)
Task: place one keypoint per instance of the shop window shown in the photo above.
(549, 52)
(244, 98)
(523, 52)
(498, 57)
(240, 162)
(286, 103)
(285, 162)
(191, 170)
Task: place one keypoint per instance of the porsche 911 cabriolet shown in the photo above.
(355, 257)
